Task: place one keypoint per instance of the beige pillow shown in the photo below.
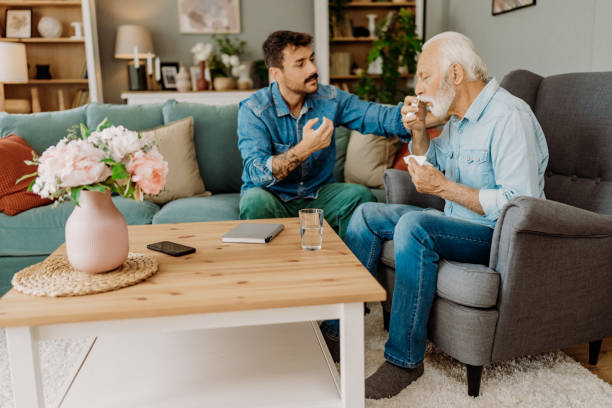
(175, 143)
(367, 158)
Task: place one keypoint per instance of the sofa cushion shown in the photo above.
(14, 197)
(10, 265)
(342, 136)
(367, 158)
(133, 117)
(466, 284)
(41, 130)
(39, 231)
(218, 207)
(216, 142)
(379, 193)
(175, 143)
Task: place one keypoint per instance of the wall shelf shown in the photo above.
(45, 40)
(45, 3)
(66, 81)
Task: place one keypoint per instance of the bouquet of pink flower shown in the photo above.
(107, 158)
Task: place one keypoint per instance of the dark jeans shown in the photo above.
(421, 237)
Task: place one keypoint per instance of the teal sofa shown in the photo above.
(30, 236)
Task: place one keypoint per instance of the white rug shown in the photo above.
(547, 380)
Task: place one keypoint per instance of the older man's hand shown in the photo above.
(427, 179)
(414, 114)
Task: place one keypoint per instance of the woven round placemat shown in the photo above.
(56, 277)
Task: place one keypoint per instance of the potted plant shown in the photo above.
(396, 47)
(226, 66)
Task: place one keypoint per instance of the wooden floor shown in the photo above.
(603, 369)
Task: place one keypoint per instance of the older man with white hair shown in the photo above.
(491, 150)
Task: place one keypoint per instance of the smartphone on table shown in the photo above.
(171, 248)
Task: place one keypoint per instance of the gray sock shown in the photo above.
(389, 380)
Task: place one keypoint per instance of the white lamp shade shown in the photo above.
(14, 66)
(130, 36)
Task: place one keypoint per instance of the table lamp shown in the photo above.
(14, 68)
(134, 42)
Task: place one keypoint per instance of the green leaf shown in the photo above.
(103, 125)
(75, 194)
(27, 176)
(120, 172)
(97, 187)
(109, 161)
(31, 185)
(30, 163)
(84, 131)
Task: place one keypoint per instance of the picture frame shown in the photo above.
(194, 72)
(209, 16)
(18, 23)
(504, 6)
(169, 71)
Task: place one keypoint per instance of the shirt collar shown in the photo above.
(281, 106)
(481, 101)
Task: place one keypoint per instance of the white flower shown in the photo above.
(234, 61)
(118, 141)
(201, 52)
(225, 59)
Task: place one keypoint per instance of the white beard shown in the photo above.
(441, 102)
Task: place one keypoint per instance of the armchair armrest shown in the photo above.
(400, 189)
(554, 263)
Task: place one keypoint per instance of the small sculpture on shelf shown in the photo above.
(49, 27)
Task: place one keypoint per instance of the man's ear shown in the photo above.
(456, 73)
(274, 73)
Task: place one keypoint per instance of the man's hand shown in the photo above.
(427, 179)
(414, 114)
(312, 141)
(315, 140)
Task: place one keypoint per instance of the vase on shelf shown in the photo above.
(183, 84)
(224, 83)
(96, 234)
(244, 80)
(203, 84)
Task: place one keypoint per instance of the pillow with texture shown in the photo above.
(367, 158)
(175, 143)
(14, 198)
(399, 163)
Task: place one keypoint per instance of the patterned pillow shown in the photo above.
(13, 197)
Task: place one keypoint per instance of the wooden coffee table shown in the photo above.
(231, 325)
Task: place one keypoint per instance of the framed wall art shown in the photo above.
(169, 71)
(209, 16)
(18, 23)
(504, 6)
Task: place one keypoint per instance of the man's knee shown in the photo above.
(358, 193)
(414, 225)
(257, 203)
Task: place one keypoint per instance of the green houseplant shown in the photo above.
(397, 45)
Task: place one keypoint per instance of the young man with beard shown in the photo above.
(491, 150)
(285, 136)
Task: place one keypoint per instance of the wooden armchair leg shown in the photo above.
(474, 374)
(594, 348)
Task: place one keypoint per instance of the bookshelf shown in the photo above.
(342, 43)
(73, 62)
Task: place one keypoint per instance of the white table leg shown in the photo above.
(25, 367)
(352, 356)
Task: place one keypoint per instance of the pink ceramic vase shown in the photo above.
(96, 234)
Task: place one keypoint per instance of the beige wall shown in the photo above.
(258, 19)
(552, 37)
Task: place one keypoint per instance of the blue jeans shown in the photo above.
(421, 238)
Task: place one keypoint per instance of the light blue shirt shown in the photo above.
(498, 148)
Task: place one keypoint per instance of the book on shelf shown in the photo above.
(81, 97)
(340, 64)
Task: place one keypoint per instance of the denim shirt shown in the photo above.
(498, 148)
(267, 128)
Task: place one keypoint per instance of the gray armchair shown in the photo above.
(548, 284)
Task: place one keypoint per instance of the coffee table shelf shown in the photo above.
(282, 365)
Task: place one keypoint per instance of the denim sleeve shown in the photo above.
(515, 164)
(255, 144)
(370, 117)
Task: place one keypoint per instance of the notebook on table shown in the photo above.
(253, 233)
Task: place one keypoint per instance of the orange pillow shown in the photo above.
(13, 197)
(399, 162)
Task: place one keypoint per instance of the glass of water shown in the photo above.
(311, 228)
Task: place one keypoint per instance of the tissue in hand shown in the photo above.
(422, 160)
(412, 115)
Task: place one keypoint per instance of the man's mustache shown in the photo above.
(310, 78)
